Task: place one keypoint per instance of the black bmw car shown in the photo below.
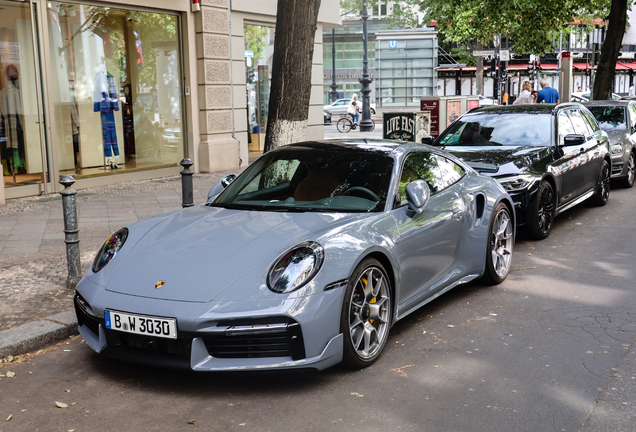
(548, 157)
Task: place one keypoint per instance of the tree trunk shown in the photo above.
(604, 80)
(479, 70)
(291, 72)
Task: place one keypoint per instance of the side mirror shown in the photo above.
(428, 140)
(417, 195)
(220, 186)
(573, 139)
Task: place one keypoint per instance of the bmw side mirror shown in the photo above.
(220, 186)
(428, 140)
(573, 139)
(417, 195)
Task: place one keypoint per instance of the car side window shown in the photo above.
(632, 114)
(580, 126)
(451, 172)
(591, 122)
(421, 165)
(565, 126)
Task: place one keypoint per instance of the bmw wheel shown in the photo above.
(601, 196)
(628, 181)
(542, 212)
(500, 243)
(366, 314)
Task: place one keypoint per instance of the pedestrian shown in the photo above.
(547, 94)
(632, 92)
(579, 89)
(525, 97)
(354, 108)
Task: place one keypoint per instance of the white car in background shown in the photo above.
(341, 106)
(585, 96)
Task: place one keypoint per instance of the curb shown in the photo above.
(38, 334)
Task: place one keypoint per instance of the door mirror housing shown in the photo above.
(428, 140)
(573, 139)
(417, 195)
(220, 186)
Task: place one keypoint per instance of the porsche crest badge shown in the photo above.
(160, 284)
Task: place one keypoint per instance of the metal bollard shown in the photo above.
(187, 193)
(71, 232)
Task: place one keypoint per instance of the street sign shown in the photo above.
(484, 53)
(504, 55)
(249, 53)
(392, 44)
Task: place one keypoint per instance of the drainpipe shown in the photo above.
(229, 12)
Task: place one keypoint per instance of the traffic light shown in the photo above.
(537, 65)
(493, 68)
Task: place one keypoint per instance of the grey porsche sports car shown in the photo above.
(303, 261)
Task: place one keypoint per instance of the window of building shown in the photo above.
(116, 86)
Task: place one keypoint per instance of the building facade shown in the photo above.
(110, 92)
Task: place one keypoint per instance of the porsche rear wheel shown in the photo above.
(366, 314)
(500, 243)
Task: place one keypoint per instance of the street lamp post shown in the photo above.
(334, 86)
(366, 124)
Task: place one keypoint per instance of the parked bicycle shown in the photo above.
(346, 124)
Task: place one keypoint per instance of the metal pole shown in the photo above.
(366, 125)
(71, 232)
(187, 194)
(334, 86)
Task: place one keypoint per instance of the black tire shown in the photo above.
(344, 125)
(372, 111)
(500, 243)
(601, 196)
(366, 312)
(541, 213)
(628, 181)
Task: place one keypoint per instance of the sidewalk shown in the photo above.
(36, 308)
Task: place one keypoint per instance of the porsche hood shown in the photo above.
(195, 254)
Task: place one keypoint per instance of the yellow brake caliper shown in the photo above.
(373, 300)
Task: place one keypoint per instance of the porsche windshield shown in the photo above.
(310, 179)
(506, 129)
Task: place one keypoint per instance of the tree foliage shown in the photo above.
(530, 24)
(254, 39)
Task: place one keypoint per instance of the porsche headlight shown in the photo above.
(295, 267)
(516, 183)
(109, 249)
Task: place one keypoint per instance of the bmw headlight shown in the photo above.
(295, 267)
(109, 249)
(617, 149)
(516, 183)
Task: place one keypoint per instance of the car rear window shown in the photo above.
(499, 129)
(610, 118)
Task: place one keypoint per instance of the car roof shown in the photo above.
(528, 108)
(620, 102)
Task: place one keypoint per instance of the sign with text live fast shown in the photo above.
(406, 126)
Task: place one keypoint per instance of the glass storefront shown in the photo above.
(115, 89)
(20, 139)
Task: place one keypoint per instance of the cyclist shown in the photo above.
(354, 108)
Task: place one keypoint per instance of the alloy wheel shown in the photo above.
(546, 209)
(369, 313)
(501, 242)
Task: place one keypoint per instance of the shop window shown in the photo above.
(116, 85)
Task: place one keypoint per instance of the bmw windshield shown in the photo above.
(303, 179)
(484, 129)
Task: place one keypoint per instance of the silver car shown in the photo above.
(618, 119)
(341, 106)
(303, 261)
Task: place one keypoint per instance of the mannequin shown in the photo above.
(105, 101)
(11, 111)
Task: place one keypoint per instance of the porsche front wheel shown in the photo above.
(366, 314)
(500, 243)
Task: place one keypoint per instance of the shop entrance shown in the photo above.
(21, 137)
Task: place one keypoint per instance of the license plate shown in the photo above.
(141, 325)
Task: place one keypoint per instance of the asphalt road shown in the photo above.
(550, 349)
